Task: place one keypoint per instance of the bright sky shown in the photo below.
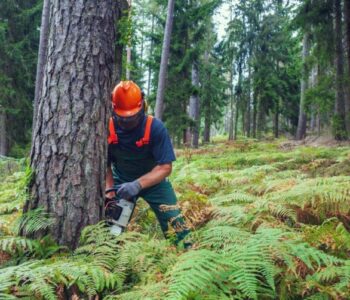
(221, 19)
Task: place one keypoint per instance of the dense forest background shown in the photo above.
(269, 217)
(279, 67)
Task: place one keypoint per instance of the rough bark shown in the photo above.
(69, 148)
(3, 133)
(301, 130)
(194, 106)
(164, 60)
(339, 128)
(150, 54)
(42, 56)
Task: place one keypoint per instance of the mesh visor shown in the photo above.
(129, 123)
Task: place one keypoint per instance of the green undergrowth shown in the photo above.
(267, 223)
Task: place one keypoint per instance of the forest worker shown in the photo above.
(140, 157)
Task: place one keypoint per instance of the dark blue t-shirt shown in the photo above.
(160, 144)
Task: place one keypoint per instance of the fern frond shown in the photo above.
(154, 291)
(234, 197)
(34, 220)
(194, 272)
(219, 237)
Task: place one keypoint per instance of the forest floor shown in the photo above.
(269, 220)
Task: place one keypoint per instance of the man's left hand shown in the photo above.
(129, 189)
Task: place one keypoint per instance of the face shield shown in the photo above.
(130, 123)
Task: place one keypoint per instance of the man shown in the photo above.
(140, 157)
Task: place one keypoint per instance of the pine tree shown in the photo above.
(69, 140)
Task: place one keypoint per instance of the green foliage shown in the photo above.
(19, 39)
(258, 244)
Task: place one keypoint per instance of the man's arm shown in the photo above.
(156, 175)
(109, 182)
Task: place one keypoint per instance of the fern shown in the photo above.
(195, 271)
(154, 291)
(33, 221)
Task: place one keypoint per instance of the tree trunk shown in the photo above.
(301, 130)
(347, 81)
(248, 108)
(255, 113)
(121, 11)
(276, 123)
(194, 106)
(236, 121)
(164, 60)
(42, 56)
(207, 124)
(128, 46)
(232, 115)
(69, 148)
(150, 55)
(339, 129)
(3, 133)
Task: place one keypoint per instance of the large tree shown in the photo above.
(69, 139)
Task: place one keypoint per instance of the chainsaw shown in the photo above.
(118, 212)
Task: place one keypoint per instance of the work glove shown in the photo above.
(129, 189)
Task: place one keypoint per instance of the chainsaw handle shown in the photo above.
(113, 189)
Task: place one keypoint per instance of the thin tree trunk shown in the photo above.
(339, 128)
(248, 108)
(276, 123)
(194, 106)
(206, 132)
(232, 115)
(164, 60)
(68, 155)
(121, 11)
(142, 43)
(128, 47)
(42, 56)
(150, 55)
(236, 121)
(260, 119)
(347, 81)
(301, 130)
(255, 113)
(3, 133)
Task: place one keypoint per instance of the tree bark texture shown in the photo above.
(42, 56)
(164, 60)
(339, 128)
(69, 148)
(301, 130)
(195, 106)
(3, 133)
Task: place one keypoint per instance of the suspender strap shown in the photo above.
(112, 138)
(146, 138)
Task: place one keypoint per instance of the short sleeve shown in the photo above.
(162, 149)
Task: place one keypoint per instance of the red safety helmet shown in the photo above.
(127, 99)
